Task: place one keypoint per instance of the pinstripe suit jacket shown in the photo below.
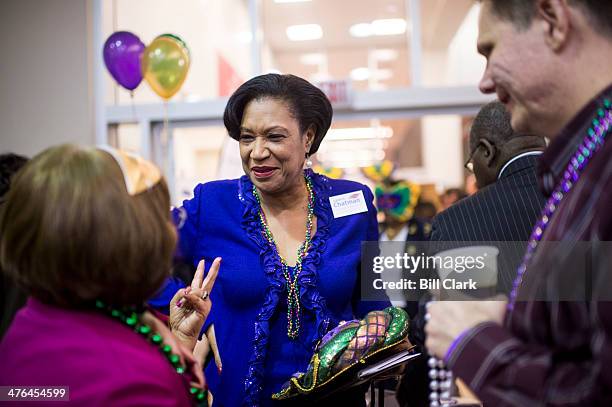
(504, 211)
(501, 212)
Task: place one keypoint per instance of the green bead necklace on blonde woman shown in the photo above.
(189, 308)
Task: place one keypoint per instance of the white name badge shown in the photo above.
(348, 204)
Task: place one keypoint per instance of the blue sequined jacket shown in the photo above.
(249, 298)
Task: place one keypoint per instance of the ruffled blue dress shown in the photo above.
(249, 299)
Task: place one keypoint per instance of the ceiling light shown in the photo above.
(382, 74)
(361, 30)
(360, 74)
(354, 147)
(389, 26)
(304, 32)
(384, 55)
(313, 59)
(377, 86)
(320, 77)
(359, 133)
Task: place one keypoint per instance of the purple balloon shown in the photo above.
(122, 52)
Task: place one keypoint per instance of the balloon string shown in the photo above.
(133, 105)
(165, 129)
(165, 136)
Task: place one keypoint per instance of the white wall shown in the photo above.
(46, 82)
(459, 64)
(442, 150)
(435, 64)
(465, 66)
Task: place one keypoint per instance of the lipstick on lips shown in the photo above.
(262, 172)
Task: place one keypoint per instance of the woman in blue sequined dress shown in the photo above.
(289, 239)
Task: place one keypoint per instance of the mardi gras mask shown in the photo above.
(398, 200)
(379, 172)
(330, 172)
(349, 347)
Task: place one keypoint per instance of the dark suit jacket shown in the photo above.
(505, 211)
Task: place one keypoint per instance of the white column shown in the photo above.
(414, 38)
(442, 150)
(95, 15)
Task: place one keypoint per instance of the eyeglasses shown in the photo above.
(469, 165)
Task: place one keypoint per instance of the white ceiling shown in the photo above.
(440, 20)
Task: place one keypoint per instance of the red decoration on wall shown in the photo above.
(229, 80)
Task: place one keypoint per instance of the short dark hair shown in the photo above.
(460, 193)
(492, 123)
(425, 210)
(307, 104)
(72, 234)
(521, 12)
(10, 163)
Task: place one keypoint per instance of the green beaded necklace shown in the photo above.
(293, 289)
(131, 318)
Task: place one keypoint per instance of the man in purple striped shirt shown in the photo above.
(550, 63)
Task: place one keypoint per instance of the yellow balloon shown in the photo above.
(165, 64)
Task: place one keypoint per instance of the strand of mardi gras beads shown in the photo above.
(131, 318)
(291, 281)
(593, 141)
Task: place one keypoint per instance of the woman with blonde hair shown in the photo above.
(87, 233)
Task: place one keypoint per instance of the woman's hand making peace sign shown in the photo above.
(190, 307)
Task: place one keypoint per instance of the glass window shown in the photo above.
(429, 150)
(216, 32)
(201, 154)
(125, 137)
(354, 144)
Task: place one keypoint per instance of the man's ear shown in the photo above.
(554, 18)
(489, 151)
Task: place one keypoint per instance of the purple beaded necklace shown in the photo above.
(592, 143)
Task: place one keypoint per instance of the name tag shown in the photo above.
(348, 204)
